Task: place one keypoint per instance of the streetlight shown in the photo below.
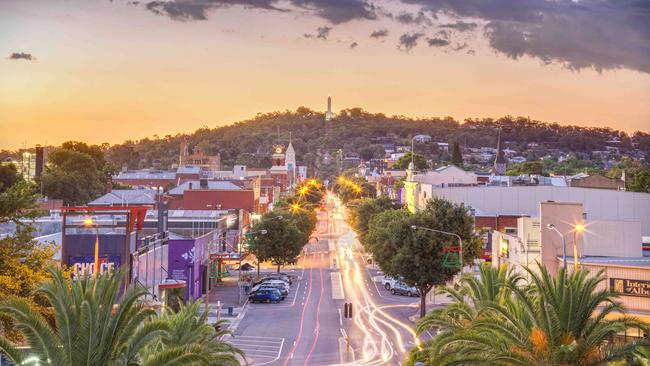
(89, 222)
(552, 227)
(577, 228)
(460, 241)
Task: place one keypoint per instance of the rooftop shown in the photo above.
(212, 184)
(614, 261)
(126, 197)
(145, 174)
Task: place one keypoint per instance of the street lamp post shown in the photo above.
(460, 241)
(552, 227)
(89, 223)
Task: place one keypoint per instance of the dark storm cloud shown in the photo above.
(335, 11)
(437, 42)
(460, 26)
(409, 40)
(380, 33)
(22, 56)
(408, 18)
(354, 45)
(598, 34)
(321, 33)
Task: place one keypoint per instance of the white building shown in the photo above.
(598, 204)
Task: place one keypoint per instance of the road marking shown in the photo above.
(340, 317)
(302, 319)
(337, 286)
(259, 350)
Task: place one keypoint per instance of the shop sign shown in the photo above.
(85, 264)
(628, 287)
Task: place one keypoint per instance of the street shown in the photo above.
(309, 327)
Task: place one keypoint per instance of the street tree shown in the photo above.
(361, 211)
(566, 319)
(282, 242)
(418, 257)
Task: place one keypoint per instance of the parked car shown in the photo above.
(280, 277)
(400, 288)
(277, 283)
(388, 282)
(284, 291)
(265, 295)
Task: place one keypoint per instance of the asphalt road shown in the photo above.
(308, 328)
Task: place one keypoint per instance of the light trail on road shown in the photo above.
(317, 330)
(302, 321)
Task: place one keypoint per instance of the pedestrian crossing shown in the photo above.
(259, 350)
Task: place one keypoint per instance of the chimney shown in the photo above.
(190, 185)
(203, 183)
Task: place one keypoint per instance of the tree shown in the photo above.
(561, 320)
(76, 173)
(417, 256)
(419, 161)
(282, 242)
(18, 203)
(370, 152)
(641, 181)
(88, 329)
(189, 327)
(528, 167)
(493, 285)
(362, 211)
(8, 176)
(457, 156)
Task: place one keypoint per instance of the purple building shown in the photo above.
(189, 260)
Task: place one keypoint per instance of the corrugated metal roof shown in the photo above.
(212, 184)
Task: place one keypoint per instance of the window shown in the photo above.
(510, 230)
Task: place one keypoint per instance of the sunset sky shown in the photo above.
(102, 71)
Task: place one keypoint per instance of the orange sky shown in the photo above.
(106, 72)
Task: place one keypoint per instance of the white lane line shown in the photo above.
(340, 317)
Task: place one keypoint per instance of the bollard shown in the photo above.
(347, 344)
(230, 310)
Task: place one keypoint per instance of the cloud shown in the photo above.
(460, 47)
(22, 56)
(408, 18)
(460, 26)
(321, 33)
(339, 11)
(409, 40)
(379, 33)
(437, 42)
(597, 34)
(354, 45)
(335, 11)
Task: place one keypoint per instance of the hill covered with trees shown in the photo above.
(354, 131)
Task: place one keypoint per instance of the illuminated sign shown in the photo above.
(85, 264)
(627, 287)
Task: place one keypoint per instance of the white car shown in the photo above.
(388, 282)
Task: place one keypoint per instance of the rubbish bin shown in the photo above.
(230, 310)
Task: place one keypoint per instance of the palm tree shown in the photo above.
(560, 320)
(492, 286)
(189, 327)
(89, 328)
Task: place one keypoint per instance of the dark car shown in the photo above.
(284, 290)
(265, 295)
(283, 294)
(400, 288)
